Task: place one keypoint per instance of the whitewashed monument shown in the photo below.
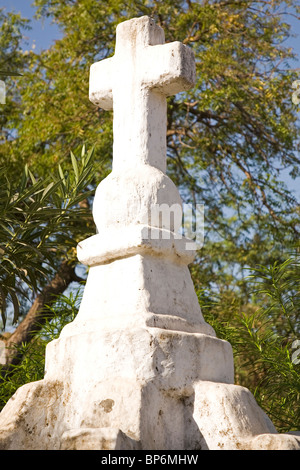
(138, 368)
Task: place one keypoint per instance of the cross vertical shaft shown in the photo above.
(139, 111)
(135, 83)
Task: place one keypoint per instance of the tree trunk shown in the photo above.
(37, 314)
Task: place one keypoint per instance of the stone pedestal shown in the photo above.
(138, 368)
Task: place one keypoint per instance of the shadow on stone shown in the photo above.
(167, 420)
(97, 439)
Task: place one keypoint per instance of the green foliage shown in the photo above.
(63, 311)
(11, 57)
(263, 335)
(279, 285)
(39, 224)
(227, 137)
(4, 73)
(266, 361)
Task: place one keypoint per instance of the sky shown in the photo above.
(44, 33)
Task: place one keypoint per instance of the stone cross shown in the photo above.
(135, 83)
(138, 368)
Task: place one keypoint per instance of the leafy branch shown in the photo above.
(39, 222)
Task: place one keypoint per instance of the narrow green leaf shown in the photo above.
(3, 306)
(89, 156)
(33, 180)
(61, 173)
(75, 166)
(16, 305)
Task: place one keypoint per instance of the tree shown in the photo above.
(227, 138)
(31, 367)
(41, 223)
(265, 338)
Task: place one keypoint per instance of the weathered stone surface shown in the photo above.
(230, 419)
(227, 414)
(127, 197)
(33, 417)
(135, 83)
(97, 439)
(151, 291)
(272, 442)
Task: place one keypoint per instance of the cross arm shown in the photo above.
(100, 87)
(170, 67)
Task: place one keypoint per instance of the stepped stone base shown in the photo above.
(146, 388)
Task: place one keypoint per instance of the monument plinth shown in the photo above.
(138, 368)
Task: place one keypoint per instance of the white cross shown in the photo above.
(135, 83)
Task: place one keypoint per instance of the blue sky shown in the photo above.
(43, 32)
